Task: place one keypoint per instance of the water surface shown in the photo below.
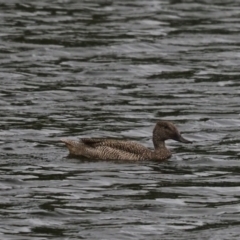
(113, 68)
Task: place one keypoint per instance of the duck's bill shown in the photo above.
(182, 139)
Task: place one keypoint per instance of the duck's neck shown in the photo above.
(159, 145)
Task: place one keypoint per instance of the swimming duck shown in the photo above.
(112, 149)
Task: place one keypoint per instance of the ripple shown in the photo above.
(112, 69)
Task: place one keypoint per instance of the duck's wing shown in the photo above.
(120, 145)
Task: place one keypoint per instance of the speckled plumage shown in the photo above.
(111, 149)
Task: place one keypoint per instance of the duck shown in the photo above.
(115, 149)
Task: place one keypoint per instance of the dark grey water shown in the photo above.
(112, 68)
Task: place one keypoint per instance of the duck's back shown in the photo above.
(106, 149)
(115, 149)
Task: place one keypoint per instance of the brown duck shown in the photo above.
(111, 149)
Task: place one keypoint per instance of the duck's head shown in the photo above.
(165, 130)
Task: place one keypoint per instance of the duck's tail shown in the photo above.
(72, 145)
(68, 142)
